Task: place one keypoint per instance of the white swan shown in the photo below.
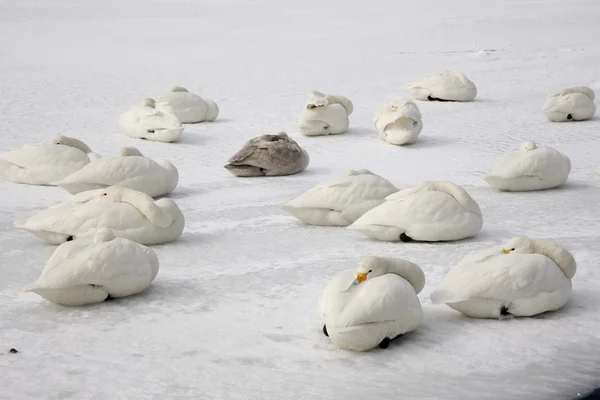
(530, 168)
(371, 306)
(399, 122)
(443, 86)
(325, 115)
(129, 169)
(433, 211)
(189, 107)
(269, 155)
(341, 202)
(85, 272)
(572, 104)
(152, 121)
(128, 213)
(525, 277)
(43, 164)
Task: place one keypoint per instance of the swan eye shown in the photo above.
(513, 249)
(370, 271)
(103, 194)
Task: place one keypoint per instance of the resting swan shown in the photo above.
(269, 155)
(85, 272)
(325, 114)
(443, 86)
(371, 306)
(129, 169)
(399, 122)
(572, 104)
(431, 212)
(523, 278)
(189, 107)
(45, 163)
(152, 121)
(128, 213)
(530, 168)
(341, 202)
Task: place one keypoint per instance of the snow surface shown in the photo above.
(232, 313)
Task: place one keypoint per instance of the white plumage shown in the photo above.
(152, 121)
(524, 277)
(433, 211)
(368, 307)
(84, 272)
(341, 202)
(325, 114)
(530, 168)
(189, 107)
(128, 213)
(43, 164)
(129, 169)
(443, 86)
(572, 104)
(399, 122)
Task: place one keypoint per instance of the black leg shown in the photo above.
(384, 343)
(436, 99)
(69, 238)
(569, 116)
(405, 238)
(108, 298)
(504, 310)
(325, 330)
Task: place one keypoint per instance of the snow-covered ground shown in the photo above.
(232, 313)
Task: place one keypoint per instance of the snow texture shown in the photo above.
(232, 313)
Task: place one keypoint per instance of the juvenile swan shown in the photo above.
(399, 122)
(152, 121)
(84, 272)
(341, 202)
(43, 164)
(128, 213)
(325, 114)
(370, 306)
(129, 169)
(269, 155)
(572, 104)
(523, 278)
(530, 168)
(443, 86)
(433, 211)
(189, 107)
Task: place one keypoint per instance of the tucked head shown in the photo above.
(103, 235)
(114, 193)
(60, 140)
(369, 268)
(149, 103)
(519, 244)
(178, 89)
(317, 99)
(528, 145)
(129, 151)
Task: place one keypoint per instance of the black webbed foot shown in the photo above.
(325, 330)
(384, 343)
(405, 238)
(504, 311)
(108, 298)
(435, 99)
(69, 238)
(569, 116)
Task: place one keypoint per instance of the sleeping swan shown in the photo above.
(128, 213)
(129, 169)
(269, 155)
(399, 122)
(572, 104)
(152, 121)
(325, 115)
(525, 277)
(341, 202)
(85, 272)
(370, 306)
(189, 107)
(444, 86)
(530, 168)
(431, 212)
(43, 164)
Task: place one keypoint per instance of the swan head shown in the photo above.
(72, 142)
(369, 268)
(519, 244)
(116, 193)
(527, 145)
(316, 100)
